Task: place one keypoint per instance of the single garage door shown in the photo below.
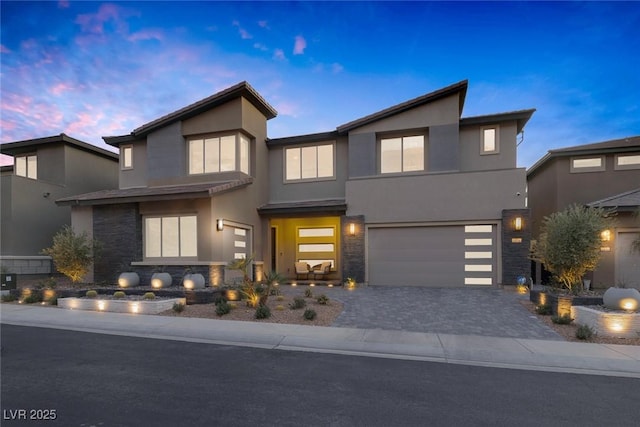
(442, 256)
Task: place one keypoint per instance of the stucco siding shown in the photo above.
(222, 118)
(166, 153)
(136, 176)
(470, 144)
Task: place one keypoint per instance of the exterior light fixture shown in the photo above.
(517, 223)
(219, 224)
(605, 235)
(352, 229)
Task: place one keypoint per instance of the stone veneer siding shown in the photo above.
(353, 248)
(515, 256)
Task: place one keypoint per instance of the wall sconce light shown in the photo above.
(517, 223)
(605, 235)
(352, 229)
(219, 224)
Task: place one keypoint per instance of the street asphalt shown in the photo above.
(482, 327)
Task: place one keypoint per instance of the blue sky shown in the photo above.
(92, 69)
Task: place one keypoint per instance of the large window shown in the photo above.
(309, 162)
(402, 154)
(171, 237)
(219, 154)
(27, 166)
(315, 245)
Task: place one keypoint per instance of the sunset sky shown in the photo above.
(92, 69)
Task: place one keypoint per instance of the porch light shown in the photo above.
(352, 229)
(517, 223)
(219, 224)
(605, 235)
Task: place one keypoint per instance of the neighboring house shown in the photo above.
(411, 195)
(605, 174)
(44, 170)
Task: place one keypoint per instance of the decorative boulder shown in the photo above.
(128, 279)
(193, 281)
(621, 299)
(161, 280)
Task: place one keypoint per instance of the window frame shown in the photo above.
(240, 164)
(123, 157)
(496, 150)
(315, 178)
(587, 169)
(28, 171)
(402, 137)
(618, 166)
(179, 241)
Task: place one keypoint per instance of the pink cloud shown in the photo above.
(148, 34)
(263, 24)
(260, 46)
(63, 4)
(279, 55)
(85, 121)
(59, 88)
(244, 34)
(4, 49)
(299, 46)
(286, 108)
(94, 22)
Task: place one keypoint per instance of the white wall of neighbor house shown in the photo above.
(436, 197)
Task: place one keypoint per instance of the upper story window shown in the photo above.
(27, 166)
(171, 237)
(587, 164)
(489, 141)
(628, 161)
(312, 162)
(218, 154)
(126, 157)
(402, 154)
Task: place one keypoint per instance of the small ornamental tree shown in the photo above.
(569, 243)
(72, 253)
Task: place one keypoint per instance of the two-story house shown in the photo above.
(411, 195)
(605, 174)
(44, 170)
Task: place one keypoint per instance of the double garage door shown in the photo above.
(437, 256)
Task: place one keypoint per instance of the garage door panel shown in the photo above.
(423, 256)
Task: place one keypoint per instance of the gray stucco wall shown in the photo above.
(362, 155)
(437, 196)
(443, 148)
(137, 176)
(470, 157)
(166, 153)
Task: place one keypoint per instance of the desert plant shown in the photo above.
(308, 293)
(280, 298)
(91, 294)
(263, 312)
(350, 283)
(297, 303)
(544, 309)
(119, 295)
(149, 296)
(72, 253)
(178, 307)
(280, 307)
(309, 314)
(584, 332)
(271, 279)
(323, 299)
(48, 283)
(32, 298)
(8, 298)
(223, 308)
(52, 301)
(565, 319)
(569, 243)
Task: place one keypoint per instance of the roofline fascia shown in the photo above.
(302, 139)
(62, 138)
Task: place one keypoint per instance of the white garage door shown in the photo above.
(627, 262)
(442, 256)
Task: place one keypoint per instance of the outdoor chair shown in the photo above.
(322, 271)
(302, 269)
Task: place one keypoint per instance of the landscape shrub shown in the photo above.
(223, 308)
(178, 307)
(263, 312)
(32, 298)
(310, 314)
(149, 296)
(565, 319)
(119, 295)
(308, 293)
(72, 253)
(323, 299)
(280, 298)
(8, 298)
(298, 303)
(91, 294)
(279, 307)
(543, 309)
(584, 332)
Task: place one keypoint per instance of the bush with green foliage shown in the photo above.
(263, 312)
(280, 307)
(544, 309)
(48, 283)
(178, 307)
(8, 298)
(33, 297)
(149, 296)
(569, 243)
(323, 300)
(119, 295)
(280, 298)
(297, 303)
(309, 314)
(91, 294)
(565, 319)
(72, 253)
(222, 308)
(308, 293)
(584, 332)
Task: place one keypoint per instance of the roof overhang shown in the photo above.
(302, 139)
(23, 147)
(520, 116)
(628, 201)
(307, 207)
(149, 194)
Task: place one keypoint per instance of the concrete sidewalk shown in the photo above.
(515, 353)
